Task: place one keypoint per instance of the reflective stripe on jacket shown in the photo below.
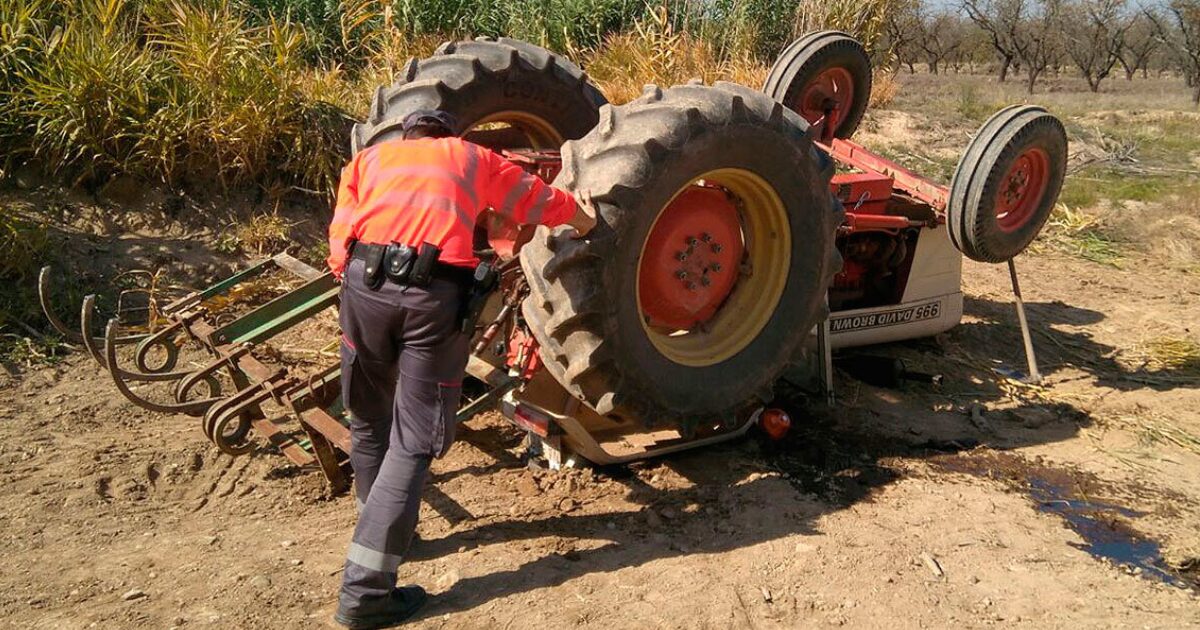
(433, 191)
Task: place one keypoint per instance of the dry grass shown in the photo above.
(656, 53)
(1082, 234)
(1156, 429)
(226, 90)
(865, 19)
(260, 235)
(1178, 355)
(884, 88)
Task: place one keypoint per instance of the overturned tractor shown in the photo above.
(742, 237)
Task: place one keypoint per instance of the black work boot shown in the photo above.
(383, 612)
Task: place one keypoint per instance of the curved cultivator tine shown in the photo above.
(48, 310)
(89, 342)
(77, 337)
(228, 422)
(86, 310)
(101, 356)
(119, 376)
(164, 339)
(207, 375)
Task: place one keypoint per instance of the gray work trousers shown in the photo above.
(403, 358)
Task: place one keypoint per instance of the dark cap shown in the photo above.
(431, 118)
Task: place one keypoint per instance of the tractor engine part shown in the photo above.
(1007, 183)
(872, 269)
(695, 186)
(826, 78)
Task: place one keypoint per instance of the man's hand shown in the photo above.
(585, 214)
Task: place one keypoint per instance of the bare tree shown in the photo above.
(1138, 46)
(1000, 19)
(902, 28)
(1095, 33)
(1038, 39)
(976, 48)
(941, 37)
(1178, 28)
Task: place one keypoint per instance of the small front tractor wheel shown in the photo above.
(505, 93)
(1007, 183)
(710, 263)
(826, 74)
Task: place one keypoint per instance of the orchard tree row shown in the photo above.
(1096, 39)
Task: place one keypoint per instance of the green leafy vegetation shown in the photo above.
(259, 236)
(972, 105)
(1088, 189)
(22, 242)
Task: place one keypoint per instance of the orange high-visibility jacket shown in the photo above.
(433, 191)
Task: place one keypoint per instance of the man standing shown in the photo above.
(401, 241)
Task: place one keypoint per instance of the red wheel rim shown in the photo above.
(832, 89)
(690, 262)
(1022, 189)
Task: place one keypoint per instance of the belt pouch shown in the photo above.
(398, 263)
(373, 266)
(422, 271)
(484, 283)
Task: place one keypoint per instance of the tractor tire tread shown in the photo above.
(971, 214)
(812, 51)
(568, 307)
(443, 80)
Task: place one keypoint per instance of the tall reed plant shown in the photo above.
(165, 89)
(262, 91)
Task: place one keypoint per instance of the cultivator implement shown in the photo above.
(234, 380)
(232, 384)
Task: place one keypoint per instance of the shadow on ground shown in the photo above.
(996, 332)
(835, 457)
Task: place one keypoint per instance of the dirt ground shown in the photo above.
(978, 503)
(890, 507)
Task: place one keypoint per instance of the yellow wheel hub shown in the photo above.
(539, 133)
(762, 273)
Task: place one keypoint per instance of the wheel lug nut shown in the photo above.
(715, 267)
(691, 241)
(681, 274)
(705, 281)
(681, 256)
(706, 237)
(716, 248)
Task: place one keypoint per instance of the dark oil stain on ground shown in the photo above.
(1103, 525)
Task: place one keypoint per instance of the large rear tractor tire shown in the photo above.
(505, 93)
(823, 74)
(710, 263)
(1007, 183)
